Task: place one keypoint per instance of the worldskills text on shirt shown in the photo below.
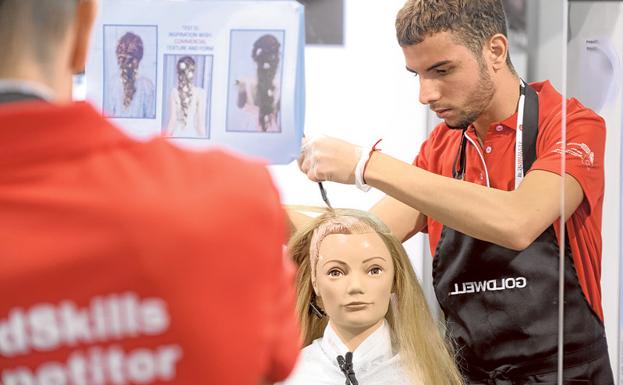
(119, 263)
(584, 161)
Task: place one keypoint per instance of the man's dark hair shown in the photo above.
(473, 22)
(33, 25)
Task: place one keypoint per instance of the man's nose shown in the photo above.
(429, 93)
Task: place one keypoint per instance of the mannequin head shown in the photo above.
(354, 278)
(333, 254)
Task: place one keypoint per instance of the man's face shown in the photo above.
(354, 280)
(453, 82)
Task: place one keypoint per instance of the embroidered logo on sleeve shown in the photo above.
(578, 150)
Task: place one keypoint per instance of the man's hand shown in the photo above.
(324, 158)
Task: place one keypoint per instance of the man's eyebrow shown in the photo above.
(438, 64)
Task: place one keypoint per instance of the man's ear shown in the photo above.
(85, 18)
(497, 51)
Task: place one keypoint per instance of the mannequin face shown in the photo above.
(354, 280)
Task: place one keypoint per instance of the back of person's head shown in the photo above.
(415, 335)
(33, 27)
(45, 41)
(472, 22)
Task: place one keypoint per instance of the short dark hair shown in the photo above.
(34, 25)
(472, 21)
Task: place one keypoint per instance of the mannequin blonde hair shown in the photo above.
(414, 333)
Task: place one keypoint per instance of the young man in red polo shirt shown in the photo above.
(122, 262)
(486, 187)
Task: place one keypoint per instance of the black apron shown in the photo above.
(501, 305)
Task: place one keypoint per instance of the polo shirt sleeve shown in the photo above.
(426, 155)
(584, 152)
(425, 159)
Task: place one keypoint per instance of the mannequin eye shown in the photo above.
(335, 273)
(375, 270)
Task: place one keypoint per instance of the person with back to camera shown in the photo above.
(118, 262)
(260, 97)
(491, 212)
(186, 103)
(131, 95)
(363, 314)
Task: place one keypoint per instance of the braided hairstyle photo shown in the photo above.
(185, 80)
(266, 56)
(129, 54)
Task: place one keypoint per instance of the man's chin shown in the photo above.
(456, 125)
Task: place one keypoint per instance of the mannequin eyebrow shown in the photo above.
(336, 261)
(369, 259)
(345, 264)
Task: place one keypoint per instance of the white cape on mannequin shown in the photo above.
(374, 362)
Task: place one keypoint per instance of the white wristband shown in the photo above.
(363, 158)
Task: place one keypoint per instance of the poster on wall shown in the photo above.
(203, 73)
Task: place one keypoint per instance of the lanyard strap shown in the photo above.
(525, 137)
(519, 166)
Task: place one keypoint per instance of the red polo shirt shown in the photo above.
(136, 263)
(586, 134)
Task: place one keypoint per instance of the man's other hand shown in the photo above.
(324, 158)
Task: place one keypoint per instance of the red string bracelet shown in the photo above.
(363, 174)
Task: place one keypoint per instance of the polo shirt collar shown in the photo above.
(511, 121)
(28, 88)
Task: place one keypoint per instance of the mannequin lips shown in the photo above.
(354, 306)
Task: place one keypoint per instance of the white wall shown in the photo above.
(360, 92)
